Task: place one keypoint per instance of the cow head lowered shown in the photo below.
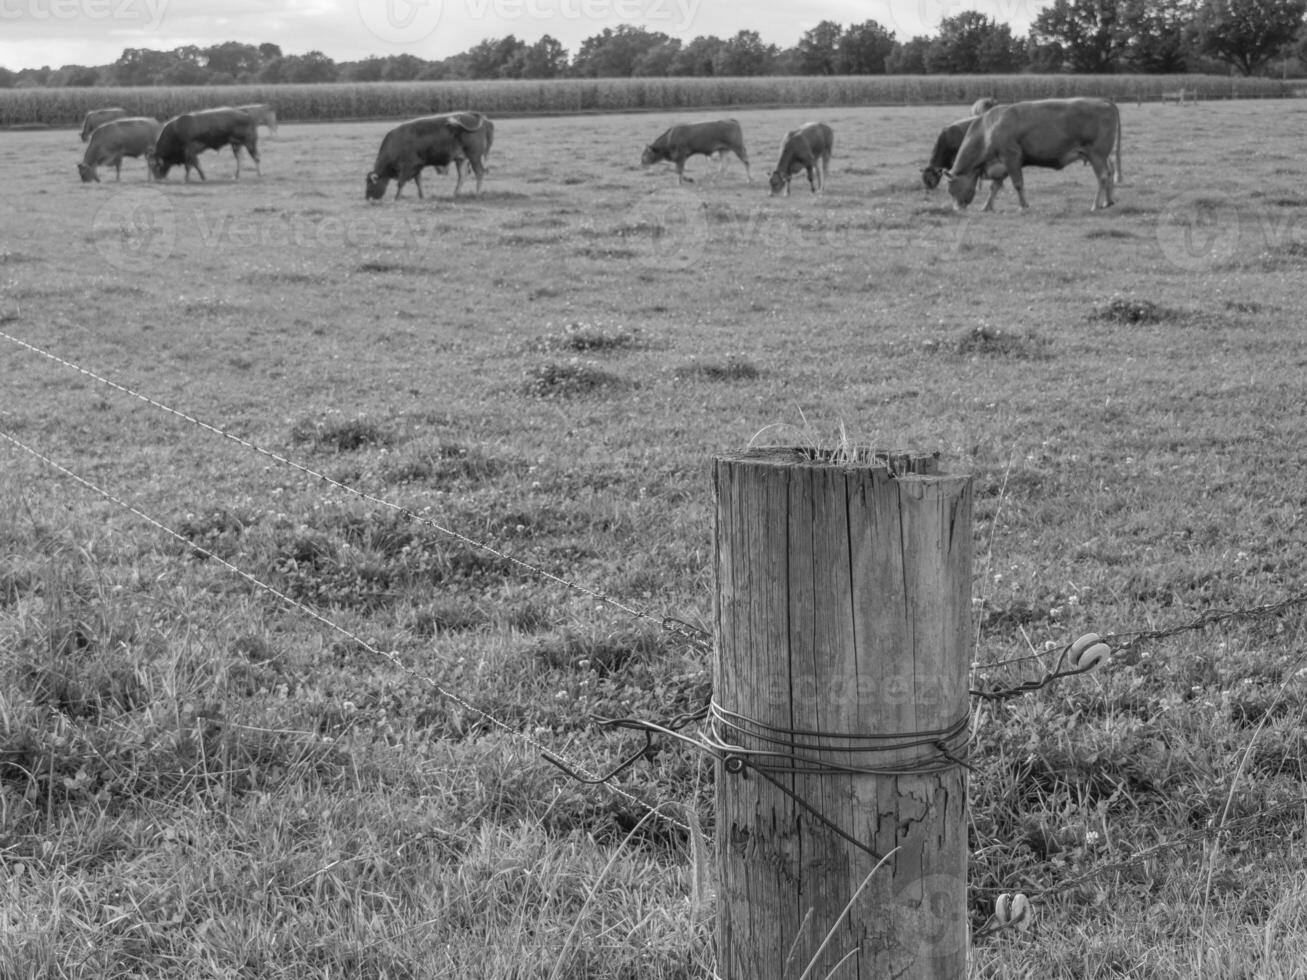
(375, 188)
(930, 176)
(652, 155)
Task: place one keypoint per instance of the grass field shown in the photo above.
(199, 780)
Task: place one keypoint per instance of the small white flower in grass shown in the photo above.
(1091, 838)
(561, 696)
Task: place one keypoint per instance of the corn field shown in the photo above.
(398, 100)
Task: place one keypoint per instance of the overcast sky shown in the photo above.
(95, 32)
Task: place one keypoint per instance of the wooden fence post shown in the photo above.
(840, 708)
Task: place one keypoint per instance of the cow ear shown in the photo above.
(946, 176)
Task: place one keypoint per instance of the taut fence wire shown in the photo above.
(392, 656)
(697, 637)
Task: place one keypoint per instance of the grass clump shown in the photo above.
(587, 338)
(443, 464)
(339, 435)
(1126, 309)
(989, 341)
(574, 378)
(732, 369)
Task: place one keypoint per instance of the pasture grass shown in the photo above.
(198, 778)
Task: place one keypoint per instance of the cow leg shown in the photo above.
(1018, 184)
(1104, 194)
(744, 159)
(236, 152)
(417, 180)
(994, 187)
(680, 174)
(253, 149)
(479, 169)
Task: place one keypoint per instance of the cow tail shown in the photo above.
(1119, 137)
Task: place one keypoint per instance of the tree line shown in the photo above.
(1082, 36)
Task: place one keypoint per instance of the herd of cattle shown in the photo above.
(994, 143)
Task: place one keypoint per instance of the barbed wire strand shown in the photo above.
(698, 637)
(390, 655)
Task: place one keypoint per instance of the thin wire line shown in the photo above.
(389, 655)
(669, 624)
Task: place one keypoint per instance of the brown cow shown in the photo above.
(130, 137)
(1048, 133)
(183, 138)
(680, 143)
(430, 141)
(806, 148)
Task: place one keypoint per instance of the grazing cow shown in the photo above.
(806, 148)
(982, 106)
(946, 149)
(98, 117)
(262, 114)
(130, 137)
(1049, 133)
(183, 138)
(430, 141)
(680, 143)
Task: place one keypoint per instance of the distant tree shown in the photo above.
(33, 77)
(269, 52)
(310, 68)
(787, 62)
(547, 58)
(235, 59)
(439, 71)
(864, 49)
(77, 76)
(182, 72)
(367, 70)
(819, 49)
(697, 57)
(614, 52)
(7, 78)
(489, 58)
(402, 67)
(1088, 33)
(142, 66)
(1247, 33)
(909, 57)
(657, 61)
(744, 54)
(1156, 35)
(972, 43)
